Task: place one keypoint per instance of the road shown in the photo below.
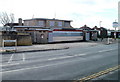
(114, 75)
(68, 64)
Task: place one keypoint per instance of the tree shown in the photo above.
(7, 18)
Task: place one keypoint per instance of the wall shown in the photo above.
(65, 24)
(30, 23)
(22, 39)
(39, 36)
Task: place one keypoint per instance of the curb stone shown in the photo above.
(36, 50)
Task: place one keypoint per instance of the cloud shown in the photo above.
(80, 11)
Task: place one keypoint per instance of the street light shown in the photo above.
(100, 23)
(115, 25)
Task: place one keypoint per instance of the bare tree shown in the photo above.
(7, 18)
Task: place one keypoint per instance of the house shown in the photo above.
(14, 24)
(102, 32)
(114, 34)
(44, 22)
(89, 33)
(85, 27)
(37, 27)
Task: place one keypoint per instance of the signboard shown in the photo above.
(10, 47)
(9, 40)
(115, 24)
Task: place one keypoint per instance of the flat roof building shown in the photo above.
(51, 23)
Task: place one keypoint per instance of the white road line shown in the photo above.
(106, 50)
(23, 57)
(80, 54)
(60, 58)
(34, 67)
(66, 57)
(9, 64)
(103, 51)
(10, 58)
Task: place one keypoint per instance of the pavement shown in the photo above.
(59, 46)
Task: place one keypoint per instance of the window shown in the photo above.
(26, 23)
(59, 24)
(52, 23)
(67, 24)
(41, 23)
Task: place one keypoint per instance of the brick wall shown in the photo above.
(22, 39)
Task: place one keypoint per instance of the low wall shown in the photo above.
(22, 39)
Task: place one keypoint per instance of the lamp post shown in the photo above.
(115, 25)
(100, 23)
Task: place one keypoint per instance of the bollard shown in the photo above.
(108, 41)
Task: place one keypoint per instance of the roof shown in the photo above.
(25, 26)
(85, 27)
(7, 29)
(12, 24)
(46, 19)
(101, 28)
(30, 27)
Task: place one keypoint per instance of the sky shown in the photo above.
(82, 12)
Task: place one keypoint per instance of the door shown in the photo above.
(87, 36)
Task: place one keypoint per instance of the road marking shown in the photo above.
(60, 58)
(93, 76)
(34, 67)
(10, 58)
(9, 64)
(67, 57)
(106, 50)
(80, 54)
(23, 57)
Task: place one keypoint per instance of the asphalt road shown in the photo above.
(114, 75)
(68, 64)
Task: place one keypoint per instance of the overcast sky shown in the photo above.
(82, 12)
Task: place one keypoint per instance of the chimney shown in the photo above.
(20, 21)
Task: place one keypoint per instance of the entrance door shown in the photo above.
(87, 36)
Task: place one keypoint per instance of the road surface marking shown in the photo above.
(16, 70)
(23, 57)
(93, 76)
(10, 58)
(67, 57)
(106, 50)
(80, 54)
(60, 58)
(9, 64)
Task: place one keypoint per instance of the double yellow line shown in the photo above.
(93, 76)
